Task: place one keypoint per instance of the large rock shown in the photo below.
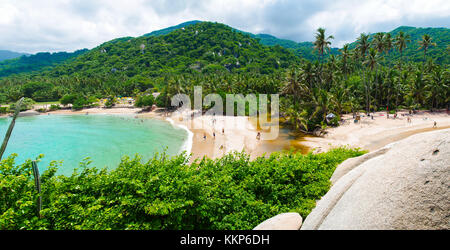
(28, 113)
(286, 221)
(403, 186)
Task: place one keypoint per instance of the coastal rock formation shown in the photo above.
(286, 221)
(28, 113)
(403, 186)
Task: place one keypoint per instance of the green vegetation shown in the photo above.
(37, 62)
(167, 193)
(145, 101)
(6, 55)
(376, 73)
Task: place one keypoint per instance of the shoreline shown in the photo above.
(374, 134)
(368, 134)
(232, 139)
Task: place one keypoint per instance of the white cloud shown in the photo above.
(56, 25)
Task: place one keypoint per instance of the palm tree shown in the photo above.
(292, 85)
(400, 42)
(425, 44)
(378, 42)
(372, 63)
(436, 87)
(388, 43)
(362, 46)
(399, 84)
(322, 43)
(345, 54)
(416, 91)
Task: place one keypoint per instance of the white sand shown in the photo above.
(374, 134)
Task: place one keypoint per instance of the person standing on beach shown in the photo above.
(435, 124)
(204, 136)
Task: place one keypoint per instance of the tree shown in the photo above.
(79, 103)
(345, 54)
(388, 43)
(322, 43)
(425, 44)
(68, 99)
(401, 41)
(145, 101)
(362, 46)
(372, 63)
(110, 102)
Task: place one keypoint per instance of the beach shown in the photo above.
(215, 136)
(372, 134)
(240, 133)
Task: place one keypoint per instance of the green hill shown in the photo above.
(172, 28)
(171, 50)
(37, 62)
(303, 49)
(201, 47)
(6, 55)
(439, 53)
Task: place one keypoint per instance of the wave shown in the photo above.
(187, 146)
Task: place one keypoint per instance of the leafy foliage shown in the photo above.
(168, 193)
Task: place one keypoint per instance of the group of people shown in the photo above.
(214, 134)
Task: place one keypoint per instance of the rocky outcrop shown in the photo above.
(28, 113)
(286, 221)
(402, 186)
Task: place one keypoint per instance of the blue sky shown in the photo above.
(66, 25)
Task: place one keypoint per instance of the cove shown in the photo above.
(103, 138)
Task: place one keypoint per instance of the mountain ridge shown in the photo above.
(303, 49)
(8, 54)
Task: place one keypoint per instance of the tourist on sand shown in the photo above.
(435, 124)
(204, 136)
(258, 137)
(223, 131)
(214, 134)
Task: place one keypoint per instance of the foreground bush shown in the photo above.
(168, 193)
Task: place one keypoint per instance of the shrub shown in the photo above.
(4, 110)
(68, 99)
(168, 193)
(110, 102)
(144, 101)
(54, 107)
(79, 103)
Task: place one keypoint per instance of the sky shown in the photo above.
(66, 25)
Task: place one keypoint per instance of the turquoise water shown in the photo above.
(103, 138)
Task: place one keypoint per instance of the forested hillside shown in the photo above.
(37, 62)
(438, 51)
(204, 47)
(46, 61)
(6, 55)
